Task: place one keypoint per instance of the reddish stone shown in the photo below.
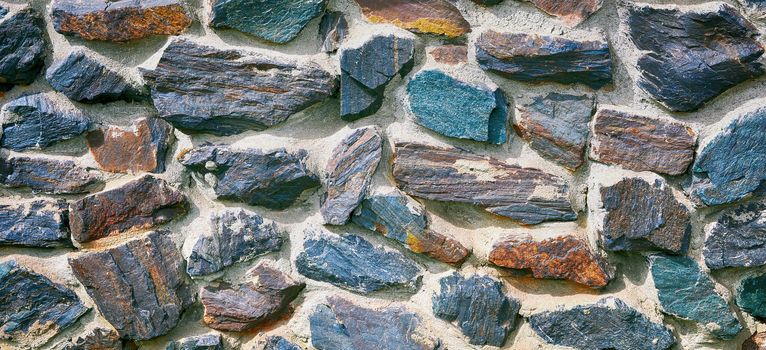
(756, 342)
(423, 16)
(450, 54)
(140, 149)
(572, 12)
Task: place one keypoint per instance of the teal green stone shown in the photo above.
(278, 21)
(751, 296)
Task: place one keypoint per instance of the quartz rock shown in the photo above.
(333, 29)
(450, 55)
(751, 296)
(46, 175)
(572, 12)
(756, 342)
(22, 47)
(86, 77)
(277, 21)
(141, 148)
(439, 17)
(737, 238)
(37, 121)
(211, 341)
(35, 223)
(279, 343)
(96, 339)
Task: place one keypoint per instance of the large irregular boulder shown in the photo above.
(751, 295)
(273, 179)
(139, 285)
(277, 21)
(691, 54)
(607, 324)
(458, 109)
(22, 47)
(199, 88)
(141, 148)
(439, 17)
(737, 238)
(366, 70)
(685, 291)
(211, 341)
(38, 121)
(348, 174)
(46, 175)
(137, 205)
(478, 306)
(35, 223)
(333, 29)
(527, 195)
(87, 77)
(353, 263)
(572, 12)
(95, 339)
(545, 58)
(119, 20)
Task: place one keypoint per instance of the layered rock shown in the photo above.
(96, 339)
(279, 343)
(439, 17)
(527, 195)
(273, 179)
(22, 47)
(691, 54)
(38, 121)
(333, 29)
(756, 342)
(210, 341)
(756, 10)
(572, 12)
(458, 109)
(277, 21)
(198, 88)
(141, 148)
(545, 58)
(86, 77)
(751, 295)
(736, 238)
(450, 55)
(35, 223)
(47, 175)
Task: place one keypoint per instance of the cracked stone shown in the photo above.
(211, 341)
(87, 77)
(333, 29)
(35, 223)
(737, 238)
(22, 47)
(38, 121)
(277, 21)
(51, 176)
(96, 339)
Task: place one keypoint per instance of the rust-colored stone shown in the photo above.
(755, 342)
(572, 12)
(422, 16)
(450, 54)
(141, 149)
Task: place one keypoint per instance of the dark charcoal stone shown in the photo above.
(341, 325)
(273, 179)
(37, 121)
(119, 20)
(355, 264)
(22, 48)
(277, 21)
(366, 70)
(487, 2)
(438, 17)
(545, 58)
(693, 54)
(333, 29)
(279, 343)
(478, 306)
(450, 54)
(32, 307)
(528, 195)
(198, 342)
(348, 174)
(572, 12)
(96, 339)
(751, 296)
(141, 148)
(139, 204)
(199, 88)
(607, 324)
(688, 293)
(457, 109)
(399, 217)
(737, 238)
(85, 77)
(756, 342)
(37, 223)
(556, 126)
(234, 236)
(139, 286)
(46, 175)
(242, 307)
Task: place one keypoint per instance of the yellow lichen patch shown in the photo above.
(414, 243)
(436, 26)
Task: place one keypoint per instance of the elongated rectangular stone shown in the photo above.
(438, 17)
(47, 175)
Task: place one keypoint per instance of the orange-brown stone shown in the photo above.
(572, 12)
(450, 54)
(140, 149)
(755, 342)
(438, 17)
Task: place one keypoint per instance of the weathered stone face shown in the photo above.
(86, 77)
(119, 20)
(141, 148)
(751, 295)
(36, 223)
(438, 17)
(22, 47)
(96, 339)
(756, 342)
(199, 342)
(279, 343)
(487, 2)
(450, 55)
(277, 21)
(333, 29)
(37, 121)
(572, 12)
(737, 238)
(46, 175)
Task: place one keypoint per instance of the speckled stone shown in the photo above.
(439, 17)
(38, 121)
(86, 77)
(279, 343)
(737, 238)
(277, 21)
(35, 223)
(198, 342)
(751, 295)
(95, 339)
(22, 47)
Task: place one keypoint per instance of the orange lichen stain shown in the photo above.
(425, 25)
(414, 243)
(183, 153)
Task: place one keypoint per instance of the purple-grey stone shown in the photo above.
(37, 121)
(737, 238)
(22, 47)
(45, 175)
(85, 77)
(36, 223)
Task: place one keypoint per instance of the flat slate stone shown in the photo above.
(33, 309)
(245, 306)
(527, 195)
(137, 205)
(211, 341)
(751, 296)
(572, 12)
(545, 58)
(333, 29)
(233, 236)
(279, 343)
(96, 339)
(348, 174)
(642, 143)
(450, 55)
(35, 223)
(273, 179)
(478, 306)
(277, 21)
(353, 263)
(688, 293)
(362, 88)
(556, 126)
(737, 238)
(87, 77)
(563, 257)
(756, 342)
(691, 54)
(119, 20)
(607, 324)
(341, 325)
(140, 148)
(139, 285)
(37, 121)
(199, 88)
(458, 109)
(439, 17)
(22, 47)
(52, 176)
(399, 217)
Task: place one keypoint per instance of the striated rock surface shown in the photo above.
(199, 88)
(333, 29)
(607, 324)
(693, 54)
(211, 341)
(528, 195)
(86, 77)
(572, 12)
(46, 175)
(545, 58)
(140, 148)
(478, 306)
(273, 179)
(37, 121)
(277, 21)
(22, 47)
(751, 295)
(450, 54)
(279, 343)
(458, 109)
(96, 339)
(737, 238)
(438, 17)
(35, 223)
(756, 342)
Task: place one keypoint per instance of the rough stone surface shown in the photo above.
(273, 179)
(487, 2)
(756, 342)
(351, 262)
(85, 77)
(279, 343)
(751, 296)
(439, 17)
(572, 12)
(692, 54)
(139, 286)
(453, 175)
(119, 20)
(458, 109)
(35, 223)
(333, 29)
(348, 174)
(199, 88)
(545, 58)
(277, 21)
(37, 121)
(96, 339)
(450, 54)
(563, 257)
(22, 47)
(140, 148)
(233, 236)
(688, 293)
(139, 204)
(756, 10)
(211, 341)
(46, 175)
(737, 238)
(478, 306)
(607, 324)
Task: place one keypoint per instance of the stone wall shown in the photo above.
(361, 174)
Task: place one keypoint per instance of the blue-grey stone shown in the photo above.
(3, 11)
(737, 238)
(277, 21)
(211, 341)
(84, 77)
(36, 121)
(279, 343)
(457, 109)
(22, 47)
(688, 293)
(37, 223)
(46, 175)
(333, 29)
(751, 295)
